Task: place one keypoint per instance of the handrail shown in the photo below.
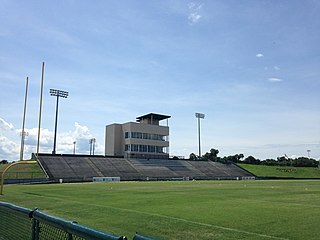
(36, 157)
(17, 209)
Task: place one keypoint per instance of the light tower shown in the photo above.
(309, 153)
(74, 147)
(92, 143)
(57, 93)
(199, 116)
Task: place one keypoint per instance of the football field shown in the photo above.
(183, 210)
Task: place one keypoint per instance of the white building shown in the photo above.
(145, 138)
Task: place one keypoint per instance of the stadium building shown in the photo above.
(145, 138)
(135, 151)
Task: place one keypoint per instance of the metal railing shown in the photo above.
(18, 223)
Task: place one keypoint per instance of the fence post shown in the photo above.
(35, 229)
(69, 236)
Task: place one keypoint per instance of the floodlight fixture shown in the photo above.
(199, 116)
(57, 93)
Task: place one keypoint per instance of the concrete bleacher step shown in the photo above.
(84, 168)
(94, 167)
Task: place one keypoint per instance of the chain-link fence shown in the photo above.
(17, 223)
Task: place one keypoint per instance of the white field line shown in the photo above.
(169, 217)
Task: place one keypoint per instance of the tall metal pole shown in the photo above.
(199, 115)
(90, 143)
(74, 147)
(199, 137)
(93, 148)
(55, 127)
(57, 93)
(40, 111)
(23, 121)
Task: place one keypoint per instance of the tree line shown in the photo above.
(212, 155)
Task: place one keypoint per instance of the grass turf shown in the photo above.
(183, 210)
(283, 172)
(23, 171)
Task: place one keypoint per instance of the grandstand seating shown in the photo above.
(74, 168)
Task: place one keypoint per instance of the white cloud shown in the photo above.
(45, 137)
(5, 126)
(81, 131)
(10, 141)
(259, 55)
(273, 79)
(194, 12)
(8, 148)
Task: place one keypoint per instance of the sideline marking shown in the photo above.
(168, 217)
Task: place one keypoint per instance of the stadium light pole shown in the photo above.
(199, 116)
(74, 147)
(309, 153)
(57, 93)
(92, 143)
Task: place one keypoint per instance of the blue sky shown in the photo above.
(251, 66)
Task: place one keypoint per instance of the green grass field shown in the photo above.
(23, 171)
(183, 210)
(282, 172)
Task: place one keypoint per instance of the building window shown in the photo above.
(148, 136)
(143, 148)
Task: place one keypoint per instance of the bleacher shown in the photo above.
(76, 168)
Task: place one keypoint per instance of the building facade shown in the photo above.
(145, 138)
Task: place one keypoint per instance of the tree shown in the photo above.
(212, 155)
(240, 156)
(251, 160)
(305, 162)
(4, 162)
(284, 161)
(193, 157)
(269, 162)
